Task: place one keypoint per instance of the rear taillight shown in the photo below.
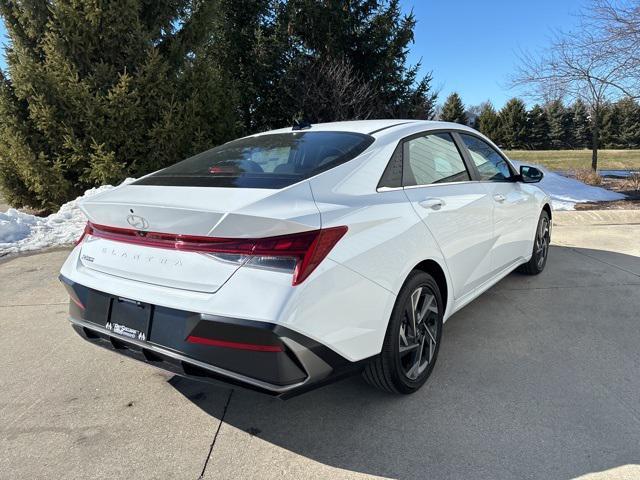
(298, 253)
(87, 229)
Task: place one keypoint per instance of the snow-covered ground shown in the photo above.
(566, 192)
(21, 232)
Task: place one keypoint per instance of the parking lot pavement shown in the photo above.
(538, 378)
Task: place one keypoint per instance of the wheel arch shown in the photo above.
(547, 208)
(434, 269)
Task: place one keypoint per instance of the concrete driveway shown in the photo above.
(539, 378)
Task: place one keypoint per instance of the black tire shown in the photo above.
(541, 243)
(396, 372)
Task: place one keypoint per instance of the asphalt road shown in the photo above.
(538, 378)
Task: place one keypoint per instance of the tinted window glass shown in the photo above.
(392, 176)
(491, 165)
(433, 159)
(265, 161)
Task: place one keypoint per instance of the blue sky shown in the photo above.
(471, 46)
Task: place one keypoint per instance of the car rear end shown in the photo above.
(218, 267)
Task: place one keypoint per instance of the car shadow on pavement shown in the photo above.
(538, 378)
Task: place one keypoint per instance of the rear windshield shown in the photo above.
(265, 161)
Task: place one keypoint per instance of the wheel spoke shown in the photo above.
(404, 350)
(415, 368)
(419, 360)
(415, 298)
(428, 305)
(403, 337)
(433, 338)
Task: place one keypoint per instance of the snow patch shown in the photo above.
(21, 232)
(566, 192)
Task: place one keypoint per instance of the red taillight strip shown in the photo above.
(237, 345)
(189, 243)
(308, 248)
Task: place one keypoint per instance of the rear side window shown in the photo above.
(264, 161)
(491, 165)
(433, 158)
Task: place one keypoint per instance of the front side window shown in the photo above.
(433, 159)
(263, 161)
(491, 165)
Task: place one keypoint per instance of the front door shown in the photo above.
(512, 204)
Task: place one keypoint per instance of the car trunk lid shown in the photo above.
(181, 216)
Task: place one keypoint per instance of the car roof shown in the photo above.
(376, 128)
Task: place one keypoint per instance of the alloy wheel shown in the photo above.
(418, 332)
(542, 242)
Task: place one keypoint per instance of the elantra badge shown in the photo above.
(138, 222)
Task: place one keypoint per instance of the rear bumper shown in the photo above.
(291, 364)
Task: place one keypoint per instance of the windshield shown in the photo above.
(265, 161)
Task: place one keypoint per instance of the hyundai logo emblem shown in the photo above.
(138, 222)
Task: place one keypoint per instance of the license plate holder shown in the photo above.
(130, 318)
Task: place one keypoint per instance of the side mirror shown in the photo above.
(530, 174)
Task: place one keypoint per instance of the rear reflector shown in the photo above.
(77, 302)
(307, 249)
(237, 345)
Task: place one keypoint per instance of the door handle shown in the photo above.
(432, 203)
(499, 198)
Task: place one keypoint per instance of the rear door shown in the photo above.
(513, 205)
(457, 210)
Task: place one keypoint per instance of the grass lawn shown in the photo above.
(577, 159)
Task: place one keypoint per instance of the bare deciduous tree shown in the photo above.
(613, 35)
(569, 68)
(331, 90)
(599, 62)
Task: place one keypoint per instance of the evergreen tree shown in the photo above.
(537, 128)
(629, 136)
(373, 37)
(559, 125)
(281, 51)
(513, 123)
(581, 125)
(453, 110)
(610, 126)
(96, 92)
(489, 122)
(250, 39)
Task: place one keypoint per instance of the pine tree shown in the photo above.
(581, 125)
(281, 51)
(97, 92)
(453, 110)
(489, 122)
(559, 125)
(610, 126)
(629, 136)
(537, 128)
(513, 123)
(373, 37)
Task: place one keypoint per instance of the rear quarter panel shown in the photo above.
(386, 238)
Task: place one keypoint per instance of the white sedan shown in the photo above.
(287, 259)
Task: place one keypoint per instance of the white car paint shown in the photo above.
(481, 232)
